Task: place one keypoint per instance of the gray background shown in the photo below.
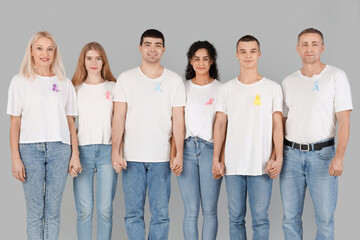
(117, 25)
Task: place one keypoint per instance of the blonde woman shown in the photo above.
(41, 105)
(94, 85)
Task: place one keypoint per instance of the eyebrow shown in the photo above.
(154, 43)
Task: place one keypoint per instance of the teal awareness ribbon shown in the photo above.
(316, 87)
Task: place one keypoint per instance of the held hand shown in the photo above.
(273, 168)
(177, 165)
(118, 162)
(18, 169)
(74, 166)
(336, 167)
(218, 169)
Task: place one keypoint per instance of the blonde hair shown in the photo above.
(81, 73)
(27, 68)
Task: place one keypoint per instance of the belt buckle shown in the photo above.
(305, 150)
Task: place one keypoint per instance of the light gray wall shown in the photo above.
(117, 25)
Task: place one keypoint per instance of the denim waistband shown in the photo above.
(196, 139)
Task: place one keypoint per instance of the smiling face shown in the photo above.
(152, 49)
(93, 62)
(42, 52)
(310, 47)
(201, 61)
(248, 54)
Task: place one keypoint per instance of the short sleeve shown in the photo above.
(180, 95)
(277, 99)
(119, 93)
(285, 108)
(14, 105)
(71, 105)
(342, 99)
(221, 103)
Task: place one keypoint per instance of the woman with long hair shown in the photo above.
(197, 185)
(94, 84)
(41, 105)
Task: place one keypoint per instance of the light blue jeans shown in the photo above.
(156, 178)
(95, 158)
(46, 166)
(197, 185)
(308, 169)
(259, 190)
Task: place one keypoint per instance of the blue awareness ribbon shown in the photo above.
(316, 87)
(158, 87)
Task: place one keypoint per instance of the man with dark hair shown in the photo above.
(315, 98)
(249, 113)
(148, 106)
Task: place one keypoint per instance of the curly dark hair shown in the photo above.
(213, 71)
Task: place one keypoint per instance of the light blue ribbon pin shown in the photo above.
(158, 87)
(316, 87)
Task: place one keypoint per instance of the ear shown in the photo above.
(297, 49)
(322, 47)
(259, 53)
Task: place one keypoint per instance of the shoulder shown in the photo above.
(172, 75)
(334, 71)
(272, 84)
(291, 78)
(229, 84)
(128, 73)
(18, 78)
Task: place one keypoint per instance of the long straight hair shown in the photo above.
(81, 73)
(27, 68)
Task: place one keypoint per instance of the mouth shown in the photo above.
(44, 59)
(93, 68)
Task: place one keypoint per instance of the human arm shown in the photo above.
(74, 165)
(117, 132)
(17, 165)
(273, 166)
(178, 123)
(220, 128)
(343, 132)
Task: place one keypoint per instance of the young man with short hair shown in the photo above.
(148, 107)
(249, 113)
(315, 98)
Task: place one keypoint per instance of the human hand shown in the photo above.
(336, 167)
(74, 165)
(118, 162)
(18, 169)
(218, 169)
(176, 165)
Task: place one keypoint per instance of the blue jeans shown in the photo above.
(46, 166)
(259, 190)
(197, 185)
(308, 169)
(95, 158)
(136, 178)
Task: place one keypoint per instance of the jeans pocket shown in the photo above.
(286, 150)
(326, 153)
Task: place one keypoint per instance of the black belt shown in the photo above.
(309, 146)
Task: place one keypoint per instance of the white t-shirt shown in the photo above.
(249, 109)
(148, 126)
(43, 104)
(310, 104)
(200, 109)
(95, 104)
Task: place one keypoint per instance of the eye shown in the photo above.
(99, 59)
(88, 58)
(39, 48)
(50, 49)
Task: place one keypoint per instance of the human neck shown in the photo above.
(202, 79)
(44, 71)
(94, 79)
(152, 70)
(249, 76)
(310, 70)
